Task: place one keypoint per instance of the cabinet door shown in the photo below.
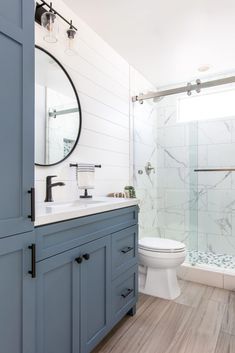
(95, 292)
(16, 115)
(58, 299)
(17, 295)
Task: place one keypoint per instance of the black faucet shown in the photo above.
(49, 187)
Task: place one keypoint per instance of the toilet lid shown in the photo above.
(161, 245)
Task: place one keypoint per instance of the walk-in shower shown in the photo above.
(191, 196)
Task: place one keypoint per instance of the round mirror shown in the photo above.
(58, 117)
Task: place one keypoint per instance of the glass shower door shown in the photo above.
(216, 186)
(177, 184)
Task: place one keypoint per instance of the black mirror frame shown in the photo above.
(79, 108)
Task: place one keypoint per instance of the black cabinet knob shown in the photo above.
(86, 256)
(79, 260)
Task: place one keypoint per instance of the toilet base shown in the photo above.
(162, 283)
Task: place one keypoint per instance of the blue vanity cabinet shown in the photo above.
(16, 115)
(86, 279)
(17, 295)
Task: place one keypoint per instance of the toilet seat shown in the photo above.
(161, 245)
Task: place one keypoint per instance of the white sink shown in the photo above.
(74, 204)
(52, 212)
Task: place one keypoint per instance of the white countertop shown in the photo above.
(51, 212)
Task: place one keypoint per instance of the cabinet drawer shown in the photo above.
(55, 238)
(124, 293)
(124, 250)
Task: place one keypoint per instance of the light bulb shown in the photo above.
(70, 45)
(49, 23)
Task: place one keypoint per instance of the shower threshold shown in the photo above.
(208, 274)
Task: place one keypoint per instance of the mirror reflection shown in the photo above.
(57, 111)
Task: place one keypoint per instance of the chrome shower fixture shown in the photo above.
(149, 168)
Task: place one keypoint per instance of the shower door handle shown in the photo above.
(215, 170)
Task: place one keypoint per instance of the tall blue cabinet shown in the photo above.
(17, 287)
(16, 115)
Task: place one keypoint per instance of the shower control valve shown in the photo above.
(149, 168)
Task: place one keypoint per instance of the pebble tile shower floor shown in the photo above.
(209, 258)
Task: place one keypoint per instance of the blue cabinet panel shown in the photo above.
(16, 115)
(11, 10)
(124, 294)
(73, 299)
(124, 250)
(95, 292)
(58, 288)
(17, 295)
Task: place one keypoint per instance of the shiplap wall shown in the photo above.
(102, 79)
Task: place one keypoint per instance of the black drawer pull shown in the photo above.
(32, 193)
(79, 260)
(127, 292)
(32, 272)
(126, 249)
(86, 256)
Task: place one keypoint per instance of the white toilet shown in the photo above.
(158, 260)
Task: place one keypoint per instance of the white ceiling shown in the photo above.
(166, 40)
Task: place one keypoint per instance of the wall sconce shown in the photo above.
(71, 33)
(50, 25)
(46, 16)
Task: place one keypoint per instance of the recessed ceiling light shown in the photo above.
(204, 68)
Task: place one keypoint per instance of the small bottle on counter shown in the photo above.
(130, 192)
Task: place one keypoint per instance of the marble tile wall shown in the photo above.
(197, 208)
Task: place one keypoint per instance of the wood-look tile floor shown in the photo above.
(200, 320)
